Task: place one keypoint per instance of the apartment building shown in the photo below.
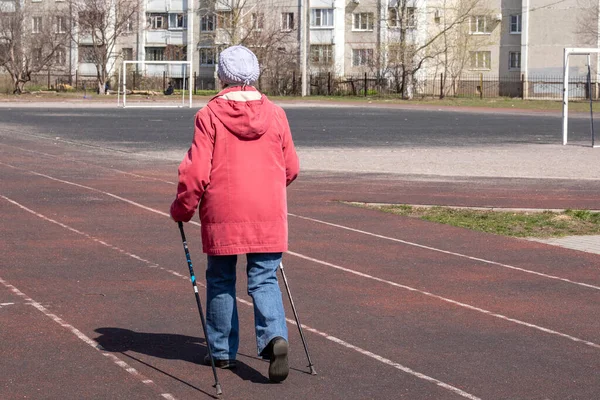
(502, 38)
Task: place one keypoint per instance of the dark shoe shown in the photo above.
(223, 364)
(278, 355)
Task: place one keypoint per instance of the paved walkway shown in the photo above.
(589, 244)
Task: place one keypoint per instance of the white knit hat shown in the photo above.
(238, 64)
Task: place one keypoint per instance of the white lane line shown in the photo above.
(378, 357)
(582, 284)
(81, 336)
(133, 203)
(457, 303)
(448, 252)
(77, 231)
(90, 164)
(468, 306)
(323, 334)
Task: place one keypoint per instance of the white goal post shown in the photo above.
(571, 51)
(182, 69)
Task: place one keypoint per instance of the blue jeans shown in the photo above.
(221, 314)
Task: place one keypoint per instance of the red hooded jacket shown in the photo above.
(241, 160)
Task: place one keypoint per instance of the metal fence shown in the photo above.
(437, 86)
(290, 84)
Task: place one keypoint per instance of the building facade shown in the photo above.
(389, 38)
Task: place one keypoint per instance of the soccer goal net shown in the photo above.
(147, 84)
(581, 87)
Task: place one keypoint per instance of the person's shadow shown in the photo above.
(168, 346)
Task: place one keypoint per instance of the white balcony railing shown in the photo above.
(177, 38)
(170, 70)
(158, 37)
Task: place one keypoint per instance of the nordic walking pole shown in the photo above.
(217, 385)
(287, 288)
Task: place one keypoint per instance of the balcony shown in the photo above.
(163, 37)
(157, 37)
(156, 5)
(321, 36)
(170, 70)
(87, 69)
(178, 5)
(177, 38)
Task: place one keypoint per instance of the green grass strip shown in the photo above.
(508, 223)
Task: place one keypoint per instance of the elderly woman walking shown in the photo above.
(237, 169)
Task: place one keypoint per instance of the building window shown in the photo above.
(37, 56)
(515, 23)
(225, 19)
(155, 53)
(514, 60)
(321, 54)
(128, 26)
(258, 21)
(157, 21)
(481, 59)
(177, 21)
(480, 24)
(127, 53)
(61, 56)
(321, 18)
(208, 56)
(287, 21)
(395, 17)
(61, 25)
(394, 54)
(37, 25)
(362, 57)
(363, 22)
(175, 53)
(393, 20)
(208, 23)
(86, 54)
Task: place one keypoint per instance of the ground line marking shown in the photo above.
(458, 303)
(448, 252)
(88, 163)
(80, 335)
(468, 306)
(334, 225)
(124, 365)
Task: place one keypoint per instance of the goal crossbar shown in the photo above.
(122, 86)
(573, 51)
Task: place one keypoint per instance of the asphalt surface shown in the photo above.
(95, 301)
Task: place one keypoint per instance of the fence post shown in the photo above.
(366, 85)
(329, 84)
(441, 86)
(523, 86)
(76, 79)
(164, 80)
(195, 82)
(48, 78)
(481, 85)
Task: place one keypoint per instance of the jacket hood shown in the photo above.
(244, 111)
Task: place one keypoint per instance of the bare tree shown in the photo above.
(262, 26)
(459, 43)
(587, 22)
(97, 27)
(29, 42)
(408, 49)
